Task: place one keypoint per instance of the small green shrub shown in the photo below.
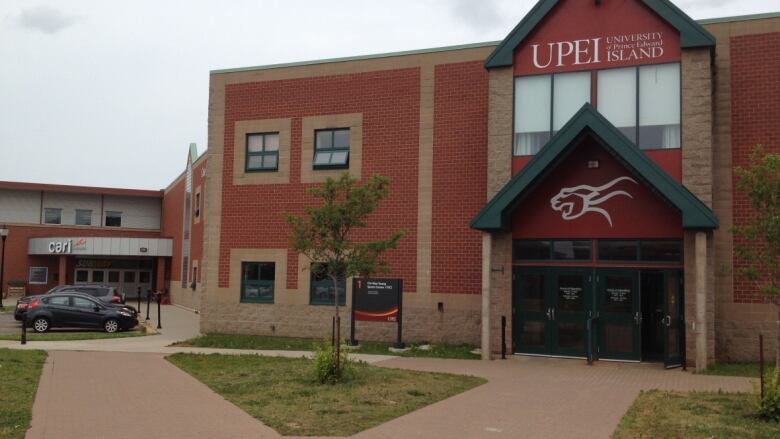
(769, 406)
(325, 368)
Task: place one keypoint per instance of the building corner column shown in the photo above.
(702, 323)
(486, 304)
(160, 284)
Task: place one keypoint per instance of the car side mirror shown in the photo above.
(96, 308)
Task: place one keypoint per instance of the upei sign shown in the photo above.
(637, 47)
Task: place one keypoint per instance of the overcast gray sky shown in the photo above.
(111, 93)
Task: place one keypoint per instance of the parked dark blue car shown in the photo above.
(70, 309)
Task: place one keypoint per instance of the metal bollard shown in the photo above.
(159, 314)
(148, 301)
(139, 299)
(24, 328)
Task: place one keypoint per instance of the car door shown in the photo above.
(59, 308)
(86, 312)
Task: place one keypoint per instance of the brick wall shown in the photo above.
(172, 217)
(755, 63)
(459, 176)
(253, 215)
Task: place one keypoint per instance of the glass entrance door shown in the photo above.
(673, 324)
(550, 309)
(618, 304)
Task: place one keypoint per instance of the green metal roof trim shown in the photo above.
(692, 34)
(497, 214)
(193, 152)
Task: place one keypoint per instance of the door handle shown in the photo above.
(553, 313)
(549, 313)
(638, 318)
(667, 321)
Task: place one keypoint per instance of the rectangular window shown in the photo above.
(616, 97)
(83, 217)
(531, 250)
(197, 205)
(82, 276)
(52, 216)
(97, 276)
(321, 291)
(331, 149)
(39, 275)
(570, 92)
(129, 277)
(145, 277)
(571, 250)
(257, 282)
(618, 250)
(659, 106)
(540, 250)
(660, 251)
(532, 113)
(113, 277)
(113, 219)
(262, 153)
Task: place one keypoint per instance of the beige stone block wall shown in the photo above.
(186, 297)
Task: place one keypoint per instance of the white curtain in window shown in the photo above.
(532, 113)
(570, 92)
(617, 96)
(659, 103)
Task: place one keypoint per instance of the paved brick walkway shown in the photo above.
(124, 395)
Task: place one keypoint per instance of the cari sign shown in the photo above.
(61, 246)
(609, 49)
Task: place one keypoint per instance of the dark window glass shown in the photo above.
(618, 294)
(113, 276)
(618, 250)
(80, 302)
(82, 275)
(52, 216)
(571, 292)
(257, 282)
(321, 291)
(97, 276)
(59, 300)
(571, 250)
(83, 217)
(331, 148)
(262, 154)
(144, 277)
(530, 289)
(113, 219)
(531, 250)
(661, 251)
(129, 276)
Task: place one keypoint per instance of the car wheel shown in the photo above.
(40, 324)
(111, 326)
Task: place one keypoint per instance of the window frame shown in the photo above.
(261, 282)
(262, 153)
(594, 101)
(44, 270)
(89, 217)
(332, 149)
(551, 250)
(319, 302)
(57, 210)
(117, 214)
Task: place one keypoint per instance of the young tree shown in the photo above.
(758, 250)
(324, 233)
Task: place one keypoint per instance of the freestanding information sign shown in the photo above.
(377, 300)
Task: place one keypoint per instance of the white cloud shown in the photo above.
(479, 15)
(46, 19)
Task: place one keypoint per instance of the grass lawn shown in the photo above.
(19, 373)
(261, 342)
(739, 369)
(67, 336)
(660, 414)
(284, 394)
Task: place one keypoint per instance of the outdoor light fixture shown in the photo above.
(3, 235)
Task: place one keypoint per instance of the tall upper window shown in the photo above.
(262, 152)
(543, 105)
(331, 148)
(113, 219)
(52, 216)
(642, 102)
(83, 217)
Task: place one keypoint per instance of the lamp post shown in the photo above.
(3, 235)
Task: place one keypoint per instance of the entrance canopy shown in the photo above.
(588, 124)
(93, 246)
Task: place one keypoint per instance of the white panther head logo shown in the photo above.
(573, 202)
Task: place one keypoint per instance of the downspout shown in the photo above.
(487, 255)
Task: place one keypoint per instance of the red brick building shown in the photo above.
(575, 178)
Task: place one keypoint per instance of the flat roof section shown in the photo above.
(17, 185)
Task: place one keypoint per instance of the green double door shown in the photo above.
(577, 311)
(551, 309)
